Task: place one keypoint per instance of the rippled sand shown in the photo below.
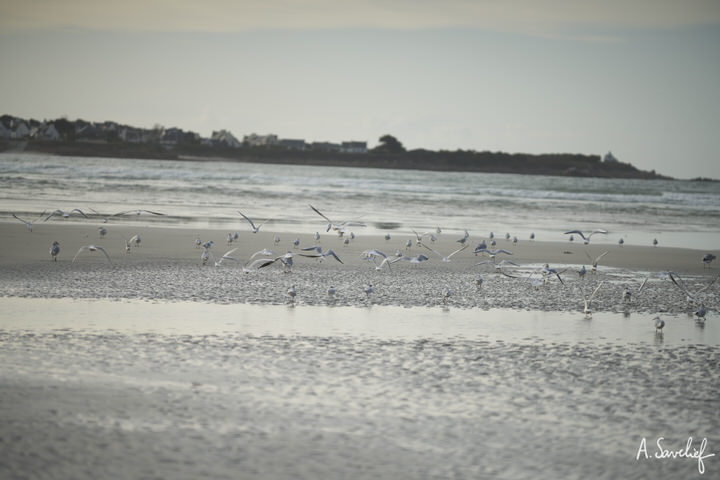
(218, 374)
(82, 404)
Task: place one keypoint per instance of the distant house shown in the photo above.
(5, 132)
(255, 140)
(225, 138)
(90, 134)
(610, 158)
(325, 147)
(172, 136)
(292, 144)
(21, 130)
(129, 134)
(51, 133)
(45, 132)
(353, 147)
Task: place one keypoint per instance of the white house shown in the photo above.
(226, 138)
(353, 147)
(51, 133)
(21, 131)
(255, 140)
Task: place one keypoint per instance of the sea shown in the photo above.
(210, 193)
(125, 388)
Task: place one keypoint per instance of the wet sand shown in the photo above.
(167, 267)
(155, 366)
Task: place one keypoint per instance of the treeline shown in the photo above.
(558, 164)
(109, 139)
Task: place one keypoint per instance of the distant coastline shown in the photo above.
(576, 165)
(109, 139)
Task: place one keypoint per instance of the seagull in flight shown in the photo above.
(499, 266)
(420, 236)
(586, 239)
(546, 272)
(135, 239)
(373, 256)
(29, 225)
(286, 260)
(320, 255)
(444, 258)
(92, 248)
(255, 228)
(65, 214)
(691, 296)
(225, 256)
(419, 259)
(595, 261)
(493, 253)
(340, 227)
(587, 310)
(138, 211)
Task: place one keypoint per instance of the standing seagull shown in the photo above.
(659, 324)
(627, 293)
(92, 248)
(707, 259)
(54, 250)
(255, 228)
(446, 294)
(464, 238)
(292, 292)
(586, 239)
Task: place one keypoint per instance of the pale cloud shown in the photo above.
(533, 17)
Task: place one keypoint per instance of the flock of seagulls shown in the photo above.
(537, 278)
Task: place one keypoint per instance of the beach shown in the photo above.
(167, 266)
(155, 365)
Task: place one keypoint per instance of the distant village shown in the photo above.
(63, 130)
(111, 139)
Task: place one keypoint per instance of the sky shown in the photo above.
(639, 78)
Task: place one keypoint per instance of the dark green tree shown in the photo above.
(389, 144)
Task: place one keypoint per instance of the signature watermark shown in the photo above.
(689, 451)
